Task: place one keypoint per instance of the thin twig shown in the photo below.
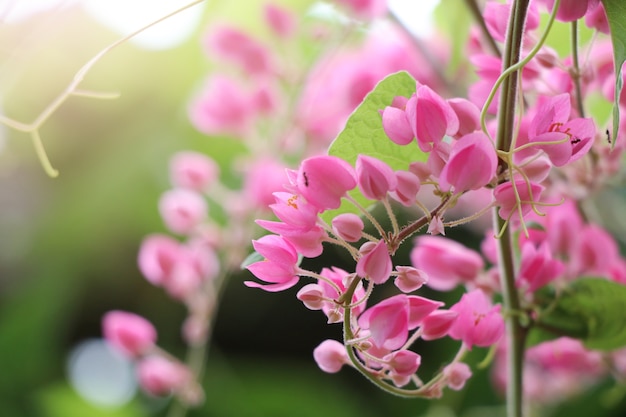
(73, 90)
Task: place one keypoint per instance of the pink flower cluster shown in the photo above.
(157, 373)
(381, 334)
(552, 162)
(280, 112)
(276, 106)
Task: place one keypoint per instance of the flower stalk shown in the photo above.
(515, 332)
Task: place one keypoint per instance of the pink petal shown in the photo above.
(396, 126)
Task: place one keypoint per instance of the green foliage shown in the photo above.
(364, 134)
(453, 21)
(296, 388)
(62, 401)
(589, 309)
(616, 14)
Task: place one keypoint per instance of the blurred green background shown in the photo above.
(68, 245)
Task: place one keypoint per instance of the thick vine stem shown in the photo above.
(515, 332)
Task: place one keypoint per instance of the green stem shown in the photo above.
(576, 70)
(514, 68)
(423, 391)
(515, 333)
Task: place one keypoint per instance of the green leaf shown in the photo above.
(616, 15)
(590, 309)
(364, 134)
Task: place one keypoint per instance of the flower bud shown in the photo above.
(182, 210)
(160, 376)
(437, 324)
(471, 165)
(396, 126)
(410, 279)
(407, 188)
(330, 356)
(375, 262)
(456, 374)
(507, 194)
(348, 226)
(129, 333)
(280, 20)
(193, 170)
(375, 177)
(312, 296)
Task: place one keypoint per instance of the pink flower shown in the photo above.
(510, 207)
(565, 225)
(430, 117)
(280, 20)
(349, 75)
(497, 15)
(479, 323)
(223, 107)
(396, 123)
(262, 178)
(157, 258)
(410, 279)
(129, 333)
(348, 226)
(375, 178)
(436, 227)
(437, 324)
(408, 186)
(390, 320)
(596, 18)
(160, 376)
(402, 364)
(570, 10)
(566, 354)
(467, 113)
(595, 251)
(305, 240)
(456, 374)
(193, 170)
(324, 180)
(279, 269)
(312, 296)
(472, 164)
(488, 69)
(342, 280)
(446, 262)
(537, 268)
(375, 262)
(238, 47)
(367, 9)
(182, 210)
(330, 356)
(181, 269)
(294, 210)
(552, 124)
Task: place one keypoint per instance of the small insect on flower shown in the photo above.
(306, 179)
(608, 136)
